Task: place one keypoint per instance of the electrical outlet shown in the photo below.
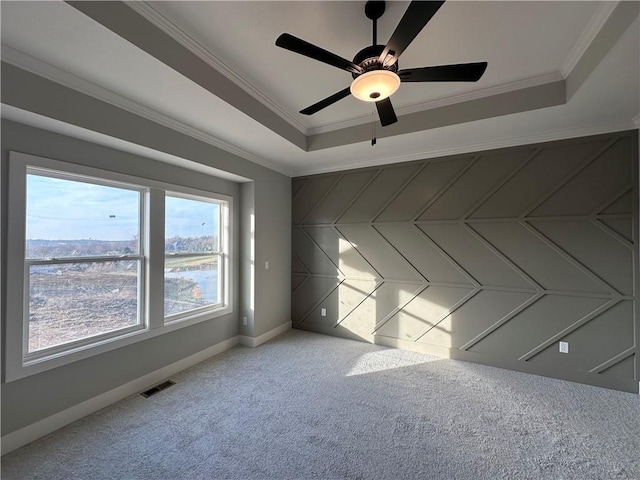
(266, 265)
(564, 347)
(244, 320)
(323, 312)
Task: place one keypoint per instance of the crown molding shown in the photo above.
(151, 14)
(587, 36)
(451, 100)
(474, 147)
(597, 21)
(62, 77)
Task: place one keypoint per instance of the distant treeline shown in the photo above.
(207, 243)
(89, 247)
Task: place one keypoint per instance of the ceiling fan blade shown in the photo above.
(413, 21)
(316, 107)
(297, 45)
(464, 72)
(385, 112)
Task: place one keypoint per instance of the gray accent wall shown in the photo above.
(492, 257)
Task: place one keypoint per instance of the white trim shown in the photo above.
(265, 337)
(587, 36)
(516, 85)
(15, 366)
(150, 13)
(474, 147)
(50, 72)
(21, 437)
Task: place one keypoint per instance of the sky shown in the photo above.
(59, 209)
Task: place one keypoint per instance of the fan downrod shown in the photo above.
(374, 10)
(369, 57)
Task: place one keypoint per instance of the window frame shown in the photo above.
(220, 253)
(18, 362)
(140, 258)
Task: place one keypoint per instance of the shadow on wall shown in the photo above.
(363, 305)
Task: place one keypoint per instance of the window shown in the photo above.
(98, 260)
(83, 260)
(193, 265)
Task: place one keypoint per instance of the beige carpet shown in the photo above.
(308, 406)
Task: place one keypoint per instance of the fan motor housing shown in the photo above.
(369, 59)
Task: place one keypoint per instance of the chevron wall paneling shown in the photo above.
(492, 257)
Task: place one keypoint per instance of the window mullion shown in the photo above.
(102, 259)
(192, 254)
(154, 246)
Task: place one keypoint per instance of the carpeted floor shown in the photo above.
(307, 406)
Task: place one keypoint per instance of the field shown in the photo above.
(69, 302)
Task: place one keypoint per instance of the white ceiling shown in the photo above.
(525, 43)
(519, 40)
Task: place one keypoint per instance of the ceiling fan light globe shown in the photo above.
(375, 85)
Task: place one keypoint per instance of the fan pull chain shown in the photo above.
(373, 129)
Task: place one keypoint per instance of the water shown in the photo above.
(207, 281)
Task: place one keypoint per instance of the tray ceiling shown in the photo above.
(246, 92)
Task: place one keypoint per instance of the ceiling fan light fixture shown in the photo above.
(375, 85)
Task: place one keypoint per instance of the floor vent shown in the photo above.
(158, 388)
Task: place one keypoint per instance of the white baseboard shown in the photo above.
(19, 438)
(265, 337)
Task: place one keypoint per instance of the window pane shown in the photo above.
(191, 225)
(67, 218)
(190, 283)
(74, 301)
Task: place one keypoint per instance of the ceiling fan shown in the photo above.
(375, 71)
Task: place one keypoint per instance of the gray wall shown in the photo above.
(491, 257)
(31, 399)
